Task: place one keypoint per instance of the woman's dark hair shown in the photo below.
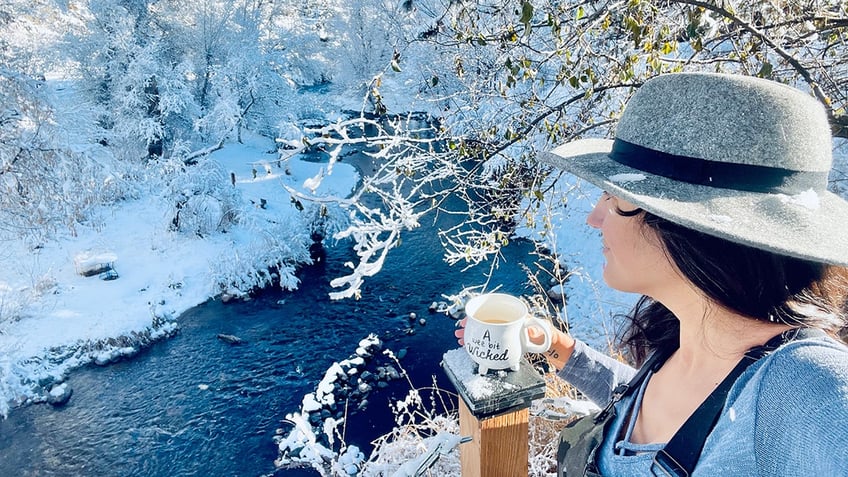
(755, 283)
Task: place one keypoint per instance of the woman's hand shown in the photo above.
(537, 336)
(562, 344)
(460, 332)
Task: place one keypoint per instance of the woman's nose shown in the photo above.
(595, 218)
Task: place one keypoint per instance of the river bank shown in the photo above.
(64, 320)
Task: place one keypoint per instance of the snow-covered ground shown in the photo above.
(69, 320)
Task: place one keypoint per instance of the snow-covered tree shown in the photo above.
(507, 79)
(46, 184)
(498, 80)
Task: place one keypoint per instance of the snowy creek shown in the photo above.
(197, 405)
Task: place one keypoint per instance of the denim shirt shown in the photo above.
(786, 415)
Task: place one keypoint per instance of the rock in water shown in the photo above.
(231, 339)
(60, 395)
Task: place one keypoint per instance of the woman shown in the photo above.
(716, 212)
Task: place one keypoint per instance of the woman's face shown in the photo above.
(635, 258)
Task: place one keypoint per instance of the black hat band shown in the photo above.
(725, 175)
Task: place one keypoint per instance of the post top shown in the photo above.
(498, 392)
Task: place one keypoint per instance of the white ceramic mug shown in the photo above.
(496, 331)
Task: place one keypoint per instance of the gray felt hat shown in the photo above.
(737, 157)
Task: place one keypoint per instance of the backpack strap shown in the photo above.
(679, 456)
(580, 439)
(652, 364)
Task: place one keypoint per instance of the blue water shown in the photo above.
(149, 416)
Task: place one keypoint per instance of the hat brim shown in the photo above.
(809, 226)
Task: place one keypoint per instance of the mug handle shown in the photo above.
(528, 345)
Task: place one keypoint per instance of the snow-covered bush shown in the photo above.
(202, 199)
(10, 386)
(271, 256)
(10, 304)
(13, 301)
(425, 437)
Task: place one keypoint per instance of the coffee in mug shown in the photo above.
(496, 331)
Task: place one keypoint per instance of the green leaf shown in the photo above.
(526, 12)
(765, 71)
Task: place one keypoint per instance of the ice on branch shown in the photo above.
(312, 183)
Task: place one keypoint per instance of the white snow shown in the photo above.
(58, 390)
(443, 443)
(808, 199)
(721, 219)
(310, 404)
(625, 178)
(477, 386)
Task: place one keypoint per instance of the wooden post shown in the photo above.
(494, 412)
(498, 446)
